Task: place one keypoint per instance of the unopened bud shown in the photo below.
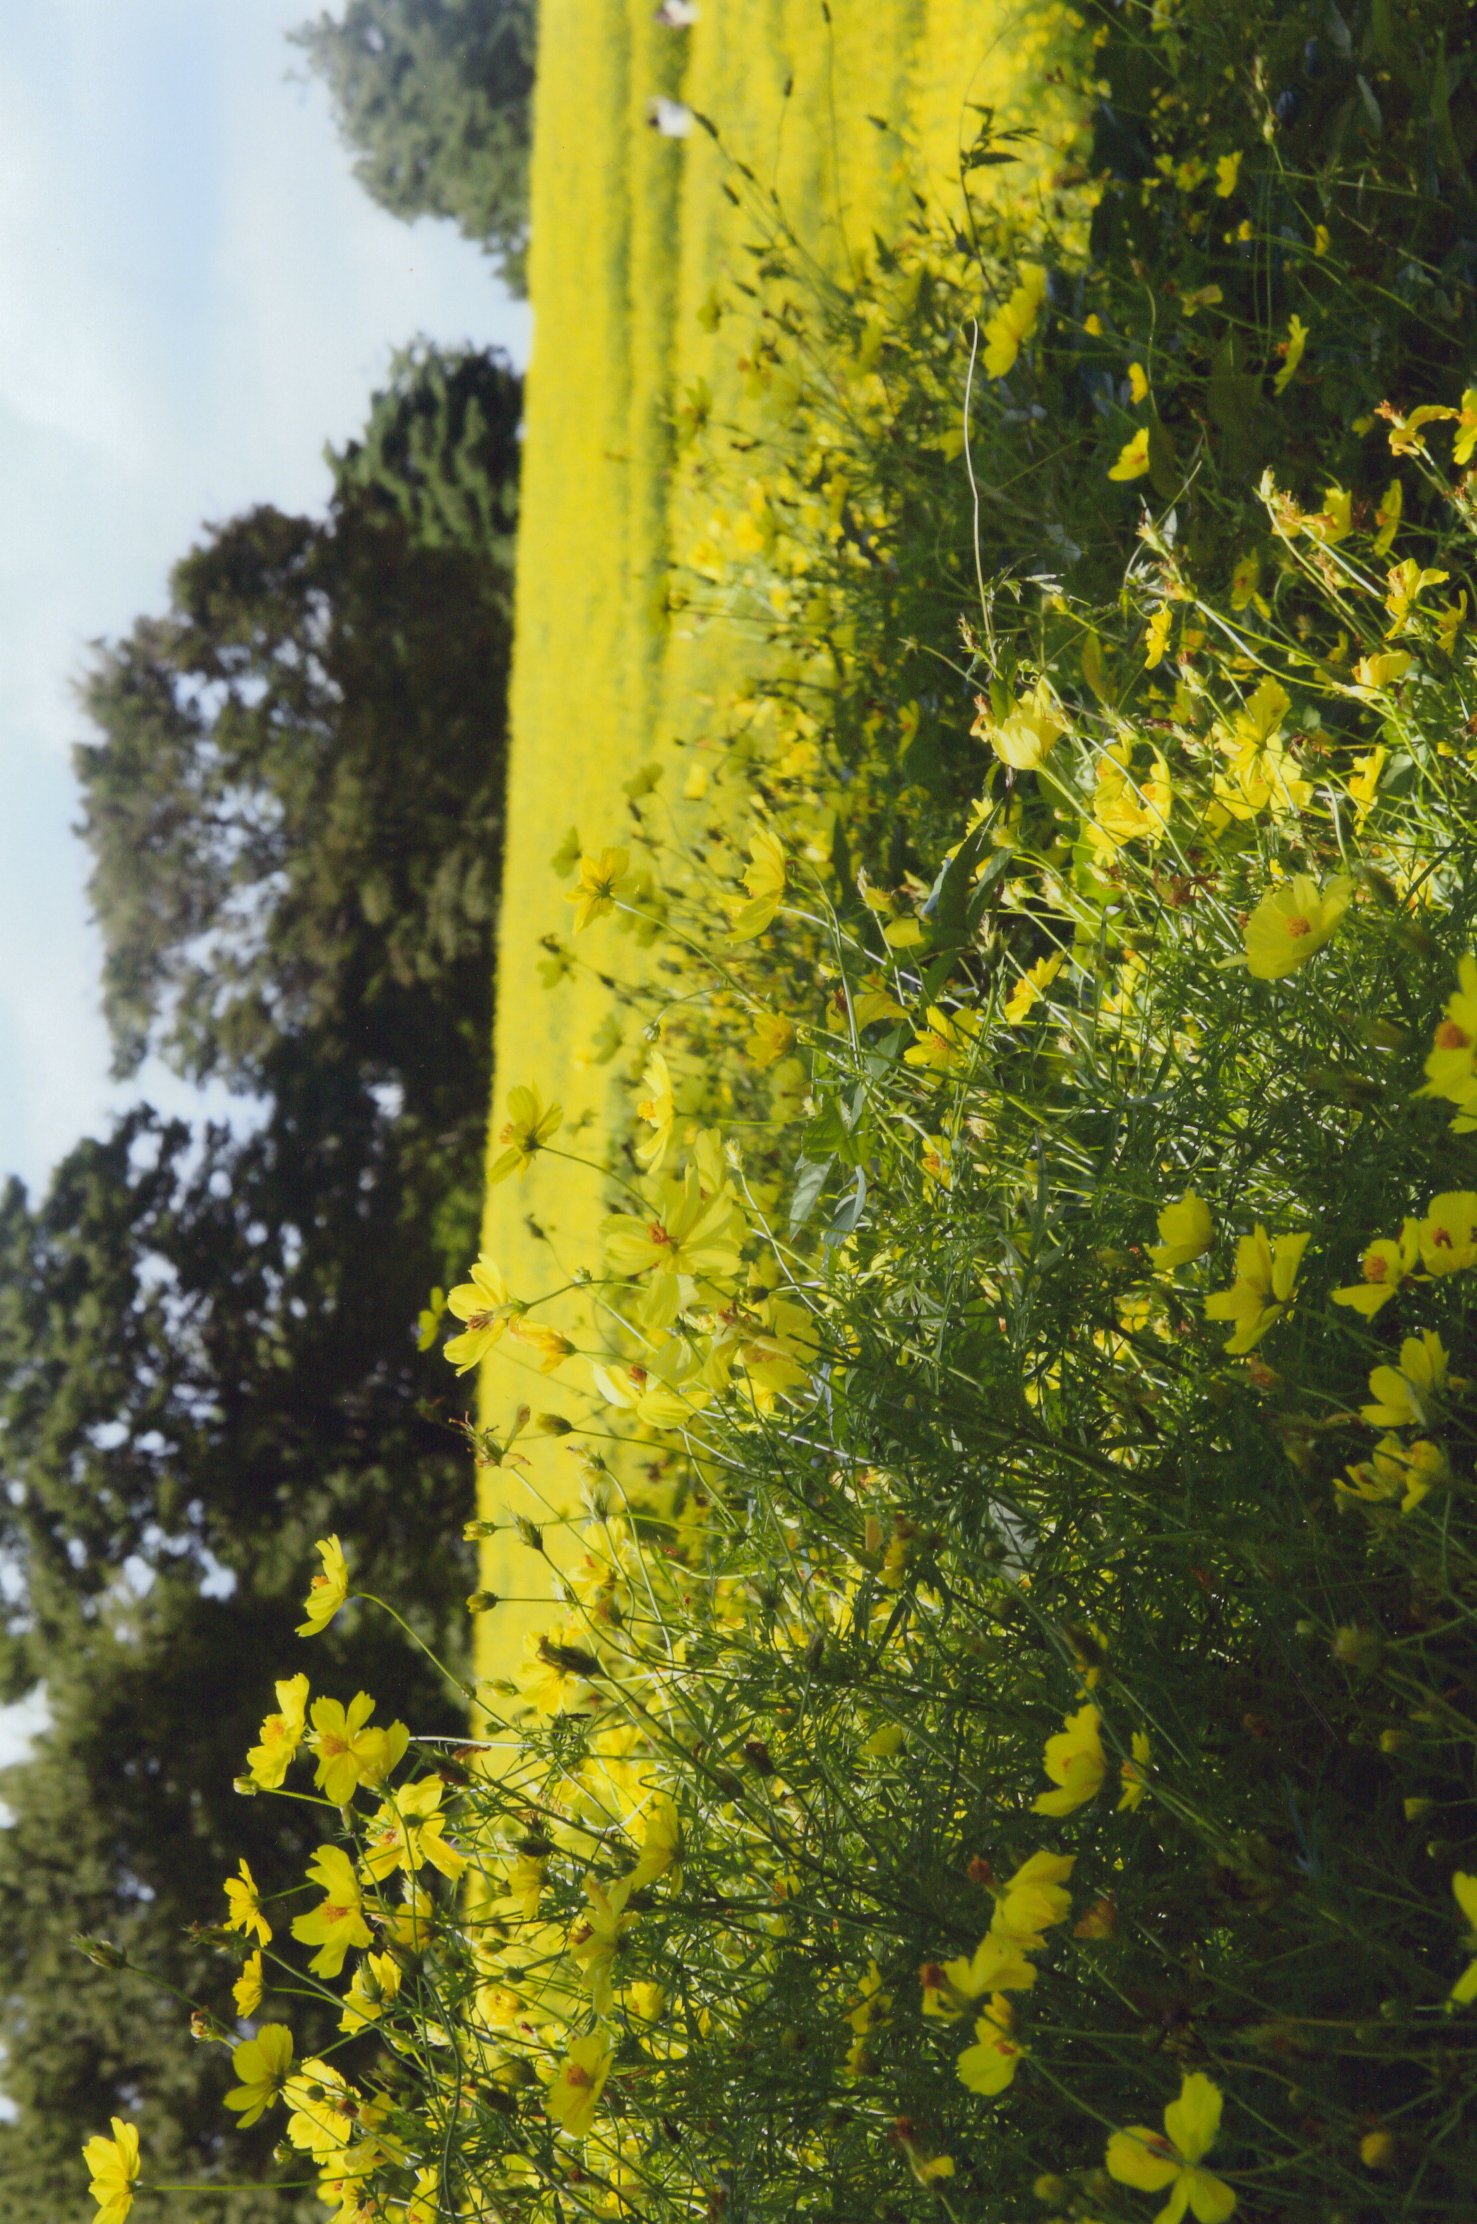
(475, 1531)
(100, 1950)
(244, 1786)
(533, 1537)
(1359, 1650)
(553, 1424)
(481, 1602)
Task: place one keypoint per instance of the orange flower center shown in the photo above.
(579, 2078)
(657, 1234)
(1441, 1237)
(1376, 1269)
(332, 1912)
(1297, 925)
(1451, 1037)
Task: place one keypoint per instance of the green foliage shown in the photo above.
(441, 449)
(434, 97)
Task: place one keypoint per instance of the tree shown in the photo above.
(207, 1346)
(434, 96)
(295, 808)
(441, 451)
(205, 1363)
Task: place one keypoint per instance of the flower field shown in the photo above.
(975, 1707)
(641, 254)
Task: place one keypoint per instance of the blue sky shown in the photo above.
(194, 297)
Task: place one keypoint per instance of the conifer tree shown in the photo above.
(434, 96)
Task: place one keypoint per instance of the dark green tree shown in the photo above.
(434, 97)
(441, 451)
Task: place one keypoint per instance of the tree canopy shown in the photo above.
(208, 1353)
(294, 805)
(434, 96)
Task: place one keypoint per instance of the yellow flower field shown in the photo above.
(639, 253)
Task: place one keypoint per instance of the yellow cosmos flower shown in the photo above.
(1404, 585)
(1292, 921)
(1032, 1901)
(1138, 383)
(1152, 2161)
(1031, 987)
(1133, 457)
(1125, 808)
(375, 1983)
(1075, 1762)
(1387, 516)
(1029, 731)
(988, 2066)
(1246, 581)
(595, 1938)
(1291, 351)
(556, 1672)
(550, 1348)
(948, 1042)
(1227, 172)
(263, 2064)
(661, 1843)
(486, 1306)
(325, 2110)
(337, 1923)
(1260, 772)
(350, 1750)
(574, 2095)
(764, 877)
(1156, 637)
(1409, 1472)
(1448, 1234)
(246, 1993)
(410, 1830)
(769, 1039)
(1466, 439)
(245, 1908)
(1384, 1266)
(281, 1735)
(1007, 332)
(530, 1125)
(688, 1232)
(1266, 1273)
(328, 1589)
(1363, 782)
(658, 1109)
(113, 2166)
(1465, 1988)
(1185, 1231)
(996, 1965)
(1409, 1396)
(1451, 1069)
(603, 881)
(1135, 1771)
